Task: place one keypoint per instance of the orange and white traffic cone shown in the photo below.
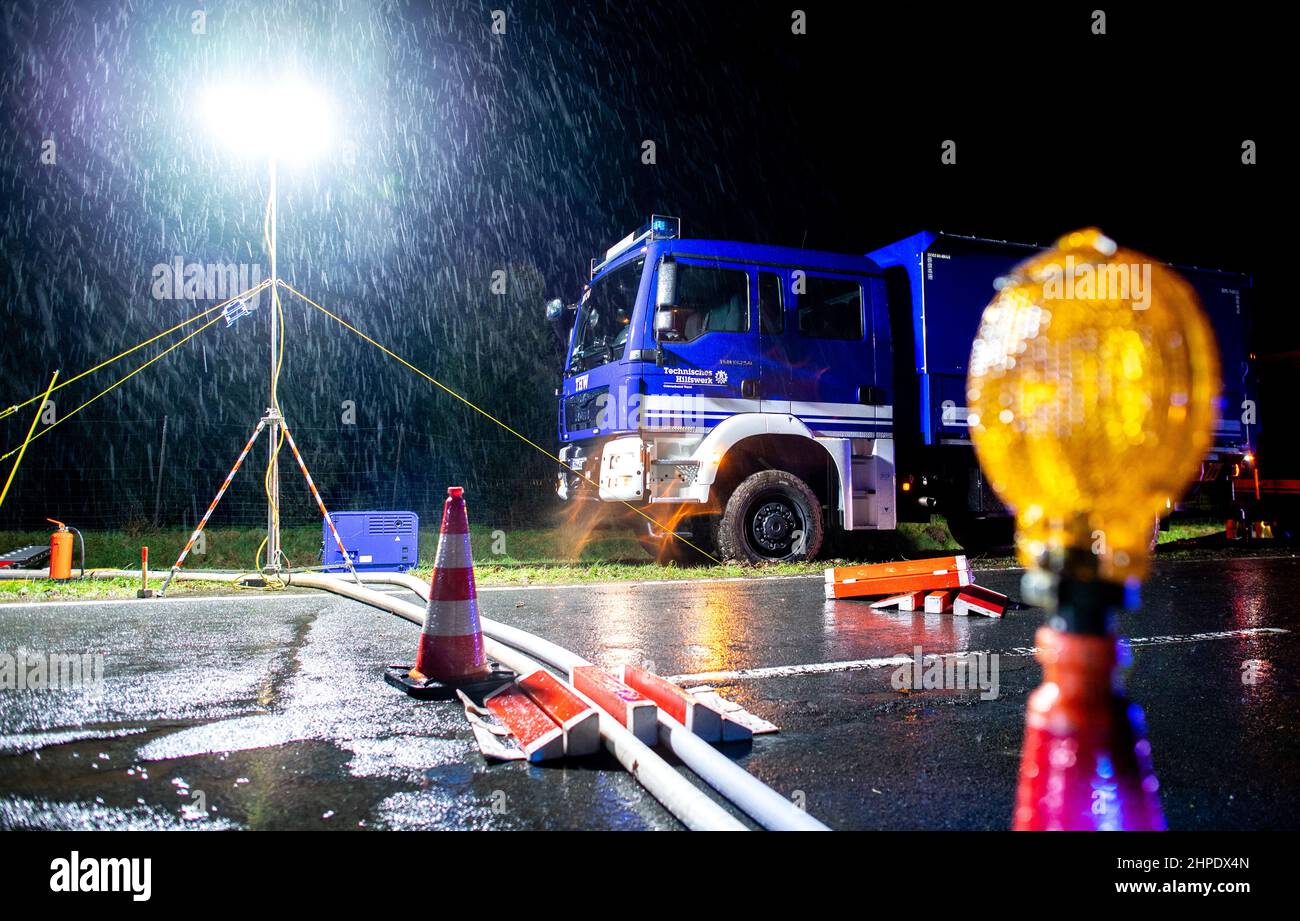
(451, 653)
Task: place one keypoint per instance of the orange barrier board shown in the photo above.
(619, 701)
(898, 584)
(537, 734)
(578, 719)
(697, 717)
(897, 568)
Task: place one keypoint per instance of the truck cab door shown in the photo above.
(834, 388)
(712, 371)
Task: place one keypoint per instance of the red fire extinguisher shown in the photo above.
(61, 551)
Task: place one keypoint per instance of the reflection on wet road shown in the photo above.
(256, 713)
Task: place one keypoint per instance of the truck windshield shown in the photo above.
(605, 317)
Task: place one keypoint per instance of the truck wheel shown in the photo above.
(771, 516)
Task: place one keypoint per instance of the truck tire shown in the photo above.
(772, 516)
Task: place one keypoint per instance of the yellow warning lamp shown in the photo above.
(1092, 390)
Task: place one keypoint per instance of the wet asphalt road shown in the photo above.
(252, 713)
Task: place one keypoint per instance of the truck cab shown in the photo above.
(757, 400)
(736, 394)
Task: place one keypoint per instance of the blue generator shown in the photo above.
(376, 541)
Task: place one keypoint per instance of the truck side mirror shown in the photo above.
(560, 315)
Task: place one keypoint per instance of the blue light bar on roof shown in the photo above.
(659, 227)
(663, 227)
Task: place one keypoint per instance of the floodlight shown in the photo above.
(289, 121)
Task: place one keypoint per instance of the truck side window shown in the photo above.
(771, 312)
(718, 298)
(831, 308)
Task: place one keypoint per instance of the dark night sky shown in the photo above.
(461, 151)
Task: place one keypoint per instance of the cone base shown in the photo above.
(476, 687)
(451, 658)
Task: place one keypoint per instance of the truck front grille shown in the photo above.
(582, 410)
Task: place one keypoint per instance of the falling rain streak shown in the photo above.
(457, 153)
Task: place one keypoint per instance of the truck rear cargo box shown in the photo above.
(946, 280)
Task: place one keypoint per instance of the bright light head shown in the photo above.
(289, 121)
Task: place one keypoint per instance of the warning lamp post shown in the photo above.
(273, 552)
(285, 123)
(1092, 388)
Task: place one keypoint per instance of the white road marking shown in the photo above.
(819, 576)
(852, 665)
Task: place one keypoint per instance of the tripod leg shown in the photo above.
(213, 507)
(315, 493)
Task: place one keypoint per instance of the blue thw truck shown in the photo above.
(762, 401)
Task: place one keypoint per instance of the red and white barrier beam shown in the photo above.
(897, 578)
(538, 735)
(976, 599)
(579, 721)
(696, 716)
(634, 711)
(939, 602)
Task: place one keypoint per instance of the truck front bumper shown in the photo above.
(636, 468)
(578, 462)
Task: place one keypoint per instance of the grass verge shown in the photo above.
(533, 556)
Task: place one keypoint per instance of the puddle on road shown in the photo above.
(298, 785)
(303, 736)
(399, 782)
(102, 785)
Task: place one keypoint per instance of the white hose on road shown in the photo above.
(767, 807)
(753, 797)
(677, 794)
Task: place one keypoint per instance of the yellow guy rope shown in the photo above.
(10, 410)
(483, 412)
(35, 416)
(119, 382)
